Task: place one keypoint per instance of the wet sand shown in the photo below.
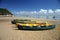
(9, 31)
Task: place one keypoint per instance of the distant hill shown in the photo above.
(5, 12)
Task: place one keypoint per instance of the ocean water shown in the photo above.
(40, 16)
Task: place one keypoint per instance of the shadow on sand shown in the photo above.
(31, 29)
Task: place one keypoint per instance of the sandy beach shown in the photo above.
(9, 31)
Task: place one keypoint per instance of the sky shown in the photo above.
(23, 7)
(29, 5)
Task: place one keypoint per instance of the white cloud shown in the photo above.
(50, 11)
(33, 12)
(25, 12)
(57, 11)
(43, 11)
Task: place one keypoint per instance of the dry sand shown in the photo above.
(9, 31)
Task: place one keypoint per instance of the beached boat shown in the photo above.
(34, 25)
(18, 21)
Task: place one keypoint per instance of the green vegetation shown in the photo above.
(5, 12)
